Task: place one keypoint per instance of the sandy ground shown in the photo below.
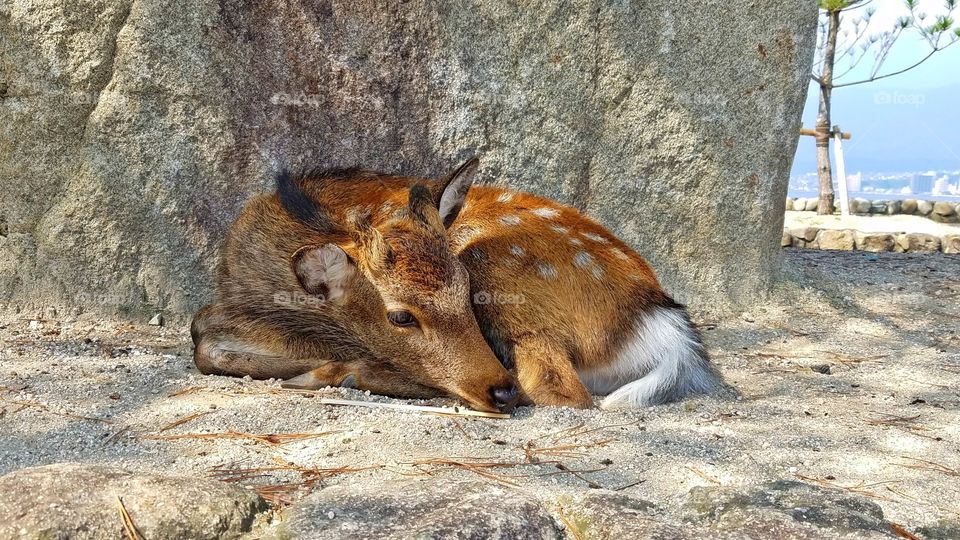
(849, 380)
(885, 224)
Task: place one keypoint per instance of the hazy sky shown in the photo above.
(902, 123)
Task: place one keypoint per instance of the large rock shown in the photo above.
(422, 510)
(132, 132)
(951, 243)
(875, 242)
(944, 208)
(924, 208)
(78, 501)
(860, 206)
(908, 206)
(786, 240)
(943, 218)
(786, 509)
(832, 239)
(919, 242)
(807, 234)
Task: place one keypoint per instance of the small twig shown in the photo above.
(858, 489)
(116, 435)
(128, 526)
(563, 450)
(574, 532)
(894, 421)
(441, 411)
(703, 475)
(930, 466)
(282, 494)
(586, 431)
(274, 439)
(902, 532)
(928, 383)
(184, 420)
(630, 485)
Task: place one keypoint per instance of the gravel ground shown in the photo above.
(850, 379)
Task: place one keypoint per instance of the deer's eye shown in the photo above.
(401, 318)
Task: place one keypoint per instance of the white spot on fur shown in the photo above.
(517, 251)
(582, 259)
(586, 261)
(547, 271)
(618, 253)
(596, 238)
(662, 361)
(575, 241)
(510, 219)
(546, 213)
(505, 197)
(559, 229)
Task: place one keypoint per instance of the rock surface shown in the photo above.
(807, 234)
(423, 510)
(951, 244)
(944, 208)
(832, 239)
(860, 206)
(435, 509)
(918, 242)
(78, 501)
(133, 132)
(875, 242)
(788, 509)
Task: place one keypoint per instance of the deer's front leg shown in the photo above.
(546, 376)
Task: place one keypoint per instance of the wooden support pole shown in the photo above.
(841, 171)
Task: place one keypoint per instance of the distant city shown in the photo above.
(931, 185)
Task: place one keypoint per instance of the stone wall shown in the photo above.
(940, 211)
(132, 132)
(848, 240)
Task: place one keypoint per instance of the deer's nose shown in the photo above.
(504, 398)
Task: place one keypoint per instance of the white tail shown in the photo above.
(664, 361)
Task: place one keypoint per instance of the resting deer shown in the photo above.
(417, 288)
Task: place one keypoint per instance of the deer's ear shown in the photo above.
(451, 191)
(324, 271)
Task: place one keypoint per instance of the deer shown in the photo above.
(421, 288)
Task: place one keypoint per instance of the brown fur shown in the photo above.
(563, 293)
